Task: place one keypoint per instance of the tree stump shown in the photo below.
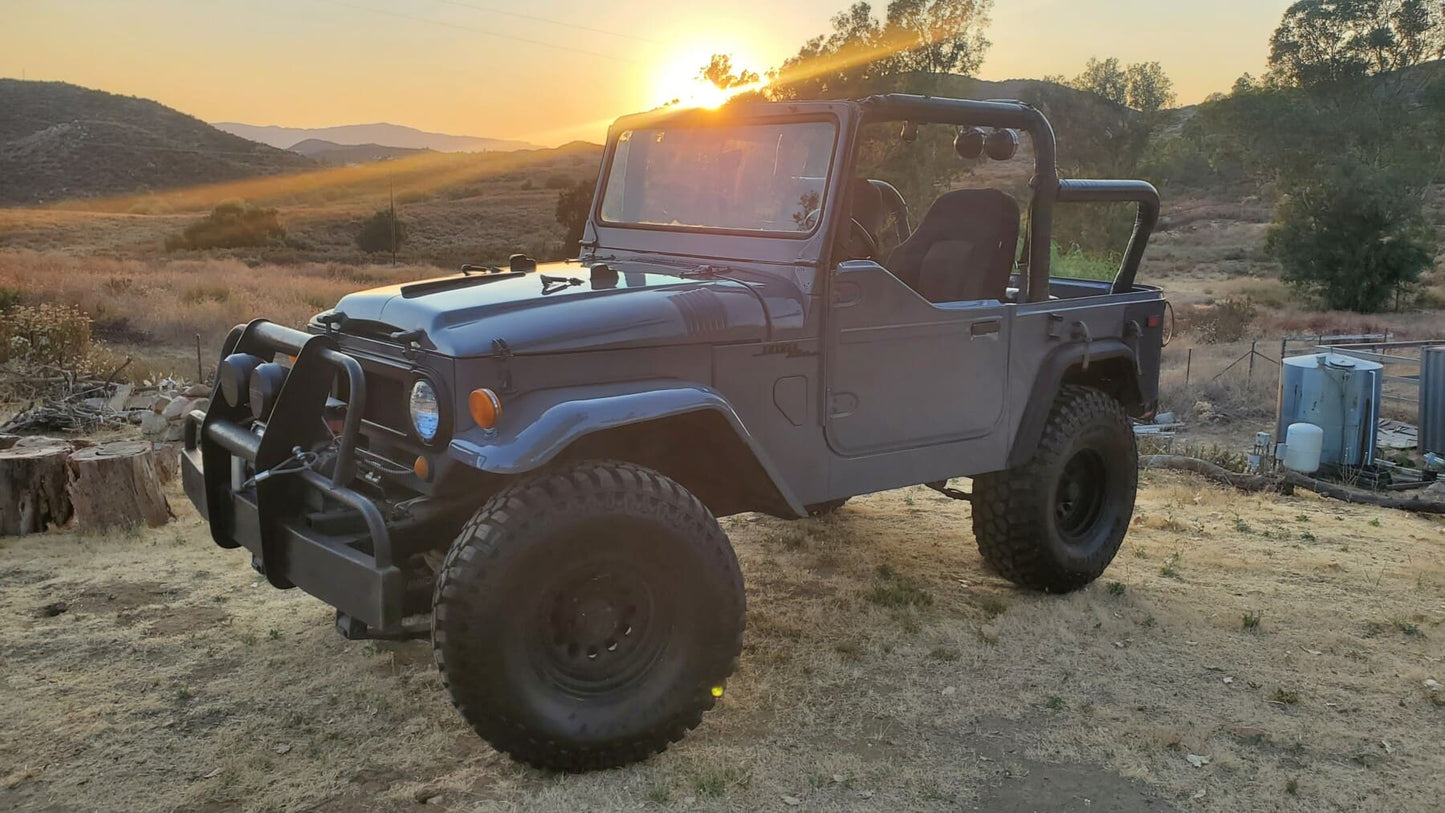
(32, 489)
(117, 485)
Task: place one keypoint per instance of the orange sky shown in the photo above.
(548, 70)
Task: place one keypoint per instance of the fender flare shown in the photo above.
(1050, 380)
(538, 426)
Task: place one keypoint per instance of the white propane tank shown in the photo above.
(1303, 444)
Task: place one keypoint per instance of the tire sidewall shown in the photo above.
(1106, 432)
(492, 618)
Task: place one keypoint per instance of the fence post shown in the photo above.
(1252, 354)
(1283, 349)
(1188, 364)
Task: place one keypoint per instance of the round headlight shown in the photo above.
(426, 415)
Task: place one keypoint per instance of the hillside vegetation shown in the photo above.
(59, 141)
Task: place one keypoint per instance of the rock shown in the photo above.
(1432, 684)
(1164, 418)
(39, 442)
(175, 409)
(197, 391)
(160, 403)
(7, 441)
(141, 401)
(203, 404)
(135, 417)
(119, 397)
(153, 424)
(96, 403)
(1197, 760)
(174, 432)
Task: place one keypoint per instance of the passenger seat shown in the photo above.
(964, 248)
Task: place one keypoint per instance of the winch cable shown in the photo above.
(299, 461)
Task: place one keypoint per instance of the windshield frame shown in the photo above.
(698, 119)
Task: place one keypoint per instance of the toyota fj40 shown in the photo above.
(536, 456)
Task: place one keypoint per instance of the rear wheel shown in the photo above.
(1056, 522)
(586, 618)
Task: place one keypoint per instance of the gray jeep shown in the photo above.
(536, 456)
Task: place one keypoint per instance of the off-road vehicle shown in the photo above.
(536, 456)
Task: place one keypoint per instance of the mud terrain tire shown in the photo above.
(588, 616)
(1055, 523)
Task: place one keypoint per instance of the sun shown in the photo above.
(677, 79)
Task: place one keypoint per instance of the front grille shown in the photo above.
(385, 399)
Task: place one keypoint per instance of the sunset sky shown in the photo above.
(480, 67)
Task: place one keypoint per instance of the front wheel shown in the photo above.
(1056, 522)
(587, 617)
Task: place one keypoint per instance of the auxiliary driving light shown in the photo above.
(234, 374)
(425, 407)
(265, 385)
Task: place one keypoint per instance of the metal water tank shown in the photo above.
(1340, 395)
(1432, 399)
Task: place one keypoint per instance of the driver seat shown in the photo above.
(963, 250)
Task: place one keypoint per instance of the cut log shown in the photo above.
(33, 495)
(116, 485)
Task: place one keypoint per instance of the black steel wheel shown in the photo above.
(1056, 522)
(588, 617)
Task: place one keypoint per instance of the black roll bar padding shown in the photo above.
(356, 404)
(1016, 115)
(1140, 192)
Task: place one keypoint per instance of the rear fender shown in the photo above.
(1108, 364)
(539, 427)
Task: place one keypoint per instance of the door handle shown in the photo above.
(985, 329)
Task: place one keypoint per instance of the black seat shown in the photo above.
(964, 248)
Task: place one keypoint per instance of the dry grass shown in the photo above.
(153, 309)
(173, 680)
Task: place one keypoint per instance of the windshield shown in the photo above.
(751, 177)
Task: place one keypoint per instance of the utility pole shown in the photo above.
(391, 188)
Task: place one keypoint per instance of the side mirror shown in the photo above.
(1002, 145)
(969, 143)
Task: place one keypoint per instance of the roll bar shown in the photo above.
(1048, 188)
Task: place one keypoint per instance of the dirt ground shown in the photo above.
(1241, 653)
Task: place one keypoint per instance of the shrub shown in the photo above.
(557, 182)
(383, 231)
(233, 224)
(38, 342)
(573, 206)
(9, 298)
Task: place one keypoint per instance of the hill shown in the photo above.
(61, 141)
(387, 135)
(340, 155)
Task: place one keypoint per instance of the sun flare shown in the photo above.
(678, 83)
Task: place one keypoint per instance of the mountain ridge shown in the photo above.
(381, 134)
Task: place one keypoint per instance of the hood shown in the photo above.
(559, 308)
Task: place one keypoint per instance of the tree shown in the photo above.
(1326, 42)
(920, 39)
(382, 232)
(720, 73)
(1105, 78)
(1143, 86)
(1352, 240)
(573, 207)
(938, 36)
(1150, 89)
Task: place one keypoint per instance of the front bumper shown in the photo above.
(304, 529)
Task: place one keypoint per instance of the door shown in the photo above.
(905, 373)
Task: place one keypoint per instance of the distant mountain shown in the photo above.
(387, 135)
(340, 155)
(60, 141)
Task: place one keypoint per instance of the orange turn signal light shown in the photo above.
(485, 407)
(421, 468)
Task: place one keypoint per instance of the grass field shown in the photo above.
(1286, 641)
